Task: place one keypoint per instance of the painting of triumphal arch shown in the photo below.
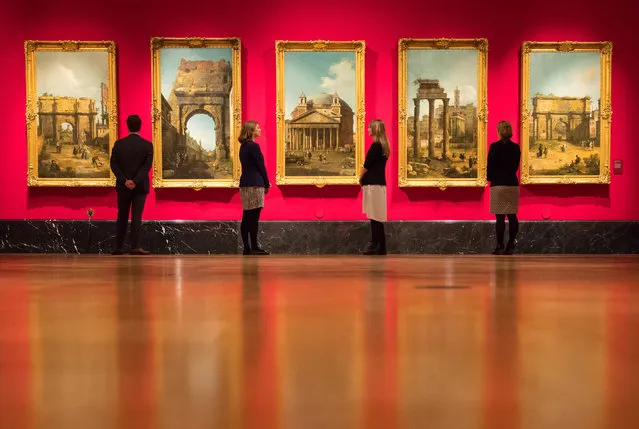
(320, 118)
(565, 129)
(196, 112)
(442, 112)
(71, 112)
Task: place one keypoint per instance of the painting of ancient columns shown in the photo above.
(71, 112)
(442, 112)
(320, 116)
(196, 114)
(565, 130)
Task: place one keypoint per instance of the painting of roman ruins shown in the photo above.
(196, 112)
(320, 99)
(71, 112)
(565, 127)
(442, 112)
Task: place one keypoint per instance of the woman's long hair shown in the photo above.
(505, 130)
(378, 131)
(248, 131)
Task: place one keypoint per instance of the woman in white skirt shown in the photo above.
(373, 181)
(503, 163)
(253, 185)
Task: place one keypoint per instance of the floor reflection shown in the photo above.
(339, 342)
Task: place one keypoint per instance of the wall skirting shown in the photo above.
(325, 237)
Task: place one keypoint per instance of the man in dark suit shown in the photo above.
(131, 160)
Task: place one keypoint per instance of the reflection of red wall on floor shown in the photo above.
(380, 376)
(501, 395)
(622, 387)
(380, 24)
(15, 355)
(261, 388)
(137, 368)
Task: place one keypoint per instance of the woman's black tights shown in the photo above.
(249, 228)
(378, 235)
(513, 228)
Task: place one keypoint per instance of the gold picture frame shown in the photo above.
(472, 140)
(574, 135)
(333, 127)
(211, 106)
(82, 150)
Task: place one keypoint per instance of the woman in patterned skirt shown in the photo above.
(373, 182)
(503, 163)
(253, 185)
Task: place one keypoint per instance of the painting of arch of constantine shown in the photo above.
(565, 126)
(71, 112)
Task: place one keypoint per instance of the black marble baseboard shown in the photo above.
(326, 237)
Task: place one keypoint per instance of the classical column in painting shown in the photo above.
(416, 153)
(330, 138)
(570, 126)
(76, 125)
(445, 125)
(55, 122)
(430, 91)
(431, 137)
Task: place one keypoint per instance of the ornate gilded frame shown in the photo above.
(359, 47)
(31, 47)
(481, 45)
(157, 44)
(605, 50)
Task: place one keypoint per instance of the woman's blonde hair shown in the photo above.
(378, 131)
(505, 130)
(248, 131)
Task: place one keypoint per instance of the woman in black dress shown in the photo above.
(254, 185)
(373, 181)
(503, 163)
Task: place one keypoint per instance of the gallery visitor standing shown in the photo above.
(131, 160)
(503, 162)
(373, 182)
(254, 184)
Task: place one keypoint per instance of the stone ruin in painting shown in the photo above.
(200, 87)
(443, 142)
(73, 140)
(564, 136)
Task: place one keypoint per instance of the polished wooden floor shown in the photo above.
(319, 342)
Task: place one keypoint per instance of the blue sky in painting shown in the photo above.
(454, 69)
(72, 74)
(316, 72)
(570, 74)
(201, 127)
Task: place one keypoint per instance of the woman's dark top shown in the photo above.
(503, 163)
(375, 164)
(253, 169)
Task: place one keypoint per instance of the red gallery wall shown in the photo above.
(506, 24)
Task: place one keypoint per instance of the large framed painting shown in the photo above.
(197, 105)
(71, 113)
(565, 112)
(442, 112)
(320, 112)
